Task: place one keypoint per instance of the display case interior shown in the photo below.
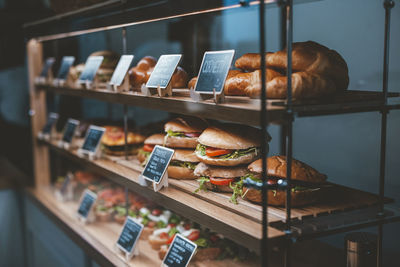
(343, 203)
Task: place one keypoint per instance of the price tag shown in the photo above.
(47, 66)
(91, 144)
(66, 64)
(130, 235)
(163, 71)
(213, 71)
(51, 121)
(180, 252)
(157, 164)
(91, 66)
(65, 184)
(120, 71)
(69, 130)
(86, 204)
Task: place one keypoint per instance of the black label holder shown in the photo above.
(64, 77)
(135, 251)
(93, 63)
(117, 84)
(163, 182)
(46, 76)
(218, 97)
(149, 89)
(95, 153)
(48, 135)
(90, 214)
(64, 144)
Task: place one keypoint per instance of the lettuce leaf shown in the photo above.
(202, 184)
(201, 242)
(201, 149)
(189, 165)
(175, 134)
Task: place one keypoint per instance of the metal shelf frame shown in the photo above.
(122, 14)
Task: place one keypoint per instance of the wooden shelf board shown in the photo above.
(102, 236)
(241, 222)
(98, 239)
(238, 109)
(239, 228)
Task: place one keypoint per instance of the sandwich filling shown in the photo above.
(220, 153)
(182, 134)
(184, 164)
(238, 186)
(214, 182)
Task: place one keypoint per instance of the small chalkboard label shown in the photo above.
(92, 139)
(120, 71)
(180, 252)
(66, 64)
(65, 183)
(91, 66)
(213, 71)
(157, 164)
(52, 119)
(69, 130)
(129, 235)
(47, 66)
(163, 71)
(87, 201)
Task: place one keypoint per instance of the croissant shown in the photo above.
(304, 85)
(241, 83)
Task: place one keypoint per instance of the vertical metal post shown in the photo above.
(263, 124)
(282, 45)
(125, 107)
(388, 5)
(289, 127)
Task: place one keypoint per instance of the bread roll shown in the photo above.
(179, 78)
(141, 73)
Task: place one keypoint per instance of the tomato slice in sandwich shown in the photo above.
(192, 134)
(221, 181)
(215, 152)
(148, 148)
(194, 235)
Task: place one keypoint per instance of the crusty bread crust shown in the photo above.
(155, 139)
(228, 162)
(220, 172)
(181, 173)
(278, 198)
(186, 155)
(231, 136)
(186, 125)
(180, 78)
(181, 142)
(277, 167)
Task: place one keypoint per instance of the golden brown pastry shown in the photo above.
(248, 83)
(317, 71)
(141, 73)
(304, 85)
(180, 78)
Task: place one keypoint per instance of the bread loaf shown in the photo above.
(317, 71)
(243, 83)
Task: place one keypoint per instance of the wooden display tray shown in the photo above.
(241, 222)
(98, 239)
(237, 108)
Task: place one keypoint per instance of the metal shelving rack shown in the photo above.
(121, 14)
